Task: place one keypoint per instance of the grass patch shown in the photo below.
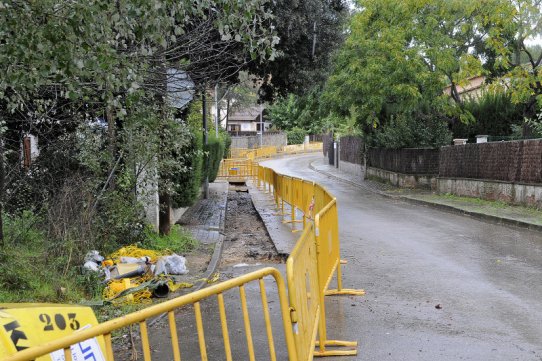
(29, 271)
(476, 201)
(178, 240)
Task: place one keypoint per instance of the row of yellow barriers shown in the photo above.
(309, 271)
(269, 151)
(318, 248)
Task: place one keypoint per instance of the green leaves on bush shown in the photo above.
(296, 136)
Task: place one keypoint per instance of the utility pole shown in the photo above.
(205, 142)
(261, 127)
(217, 119)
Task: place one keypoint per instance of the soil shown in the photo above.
(246, 238)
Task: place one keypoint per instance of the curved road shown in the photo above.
(439, 286)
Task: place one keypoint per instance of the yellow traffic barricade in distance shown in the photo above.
(24, 325)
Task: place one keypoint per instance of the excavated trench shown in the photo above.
(246, 238)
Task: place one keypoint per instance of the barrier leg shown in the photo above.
(323, 342)
(340, 290)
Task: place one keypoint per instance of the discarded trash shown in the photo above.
(92, 261)
(134, 275)
(171, 265)
(127, 270)
(144, 259)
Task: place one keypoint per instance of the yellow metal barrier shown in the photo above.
(316, 203)
(314, 146)
(140, 317)
(237, 170)
(239, 152)
(265, 152)
(303, 292)
(293, 148)
(328, 256)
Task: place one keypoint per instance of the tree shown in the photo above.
(309, 32)
(67, 64)
(399, 55)
(525, 82)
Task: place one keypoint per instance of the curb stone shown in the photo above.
(445, 207)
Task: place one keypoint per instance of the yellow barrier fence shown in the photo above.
(237, 170)
(141, 317)
(239, 152)
(317, 204)
(303, 292)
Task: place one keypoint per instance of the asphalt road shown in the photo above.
(440, 286)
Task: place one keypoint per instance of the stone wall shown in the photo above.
(351, 168)
(423, 181)
(277, 139)
(515, 193)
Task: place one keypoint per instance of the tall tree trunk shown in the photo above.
(164, 218)
(112, 135)
(2, 187)
(227, 114)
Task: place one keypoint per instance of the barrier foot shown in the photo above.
(335, 352)
(343, 261)
(296, 230)
(296, 221)
(345, 291)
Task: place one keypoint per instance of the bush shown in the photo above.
(30, 270)
(188, 183)
(296, 136)
(215, 153)
(495, 114)
(227, 143)
(411, 131)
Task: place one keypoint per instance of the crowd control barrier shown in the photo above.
(303, 292)
(237, 170)
(318, 205)
(141, 317)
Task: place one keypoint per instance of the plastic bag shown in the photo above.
(172, 265)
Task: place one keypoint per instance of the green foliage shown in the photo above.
(534, 125)
(399, 56)
(108, 46)
(30, 271)
(215, 153)
(284, 113)
(178, 240)
(296, 111)
(296, 136)
(187, 184)
(413, 130)
(494, 114)
(309, 31)
(120, 222)
(227, 143)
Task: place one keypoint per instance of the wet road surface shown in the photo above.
(440, 286)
